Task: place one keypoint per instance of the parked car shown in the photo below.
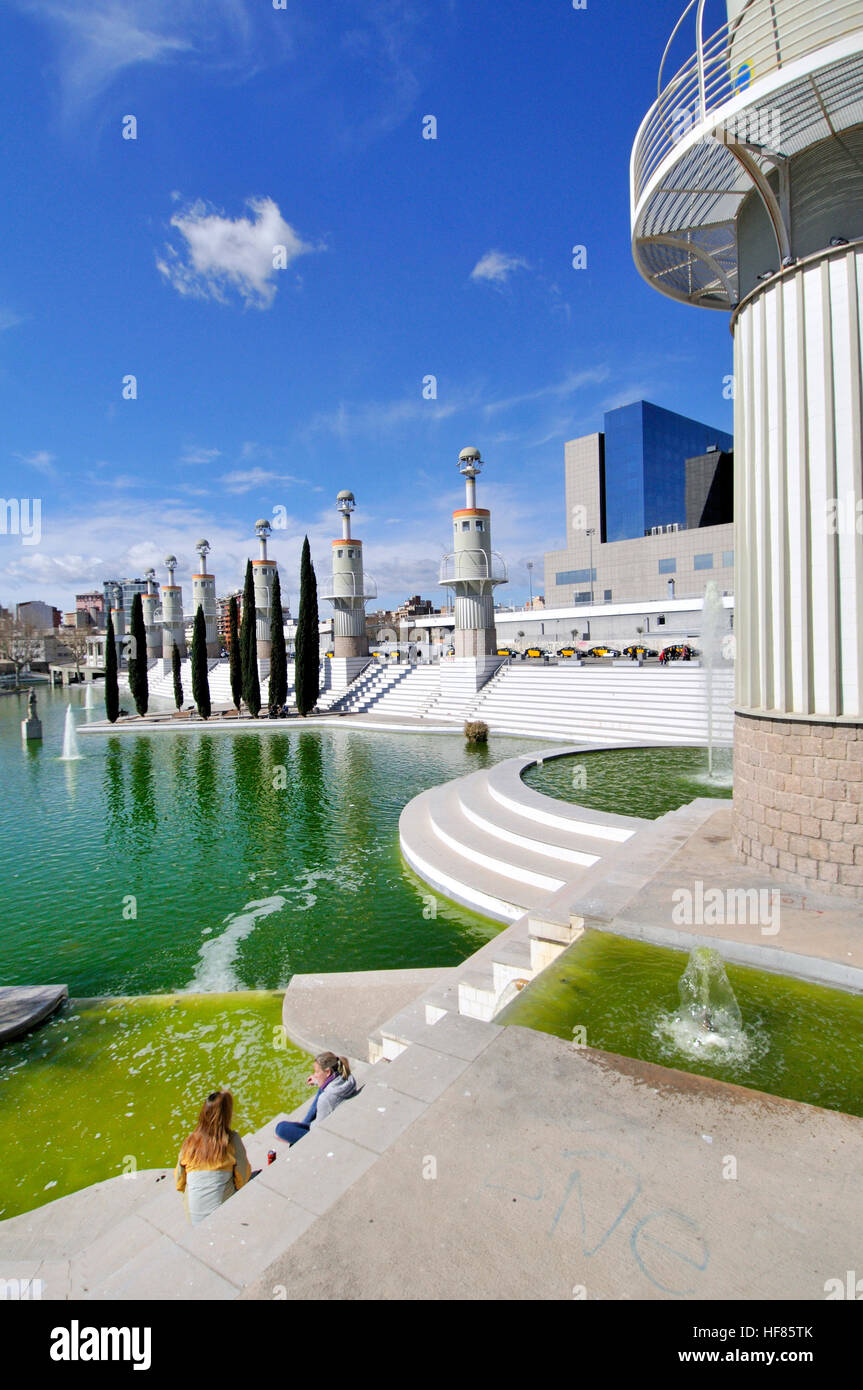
(603, 651)
(678, 651)
(566, 651)
(506, 651)
(637, 650)
(328, 655)
(533, 652)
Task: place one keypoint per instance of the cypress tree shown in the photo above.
(175, 671)
(308, 648)
(235, 656)
(200, 679)
(249, 647)
(112, 689)
(278, 692)
(138, 682)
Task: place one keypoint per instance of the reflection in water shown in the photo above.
(115, 801)
(143, 790)
(206, 784)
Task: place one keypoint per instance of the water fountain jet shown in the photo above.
(70, 739)
(708, 1019)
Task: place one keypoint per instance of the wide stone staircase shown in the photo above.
(607, 705)
(390, 690)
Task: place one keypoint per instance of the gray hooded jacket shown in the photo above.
(333, 1094)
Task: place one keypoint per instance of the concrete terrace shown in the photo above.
(488, 1163)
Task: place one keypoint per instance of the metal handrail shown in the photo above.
(778, 33)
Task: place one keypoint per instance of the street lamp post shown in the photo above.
(591, 532)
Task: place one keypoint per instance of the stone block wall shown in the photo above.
(798, 801)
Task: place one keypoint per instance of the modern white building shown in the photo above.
(747, 197)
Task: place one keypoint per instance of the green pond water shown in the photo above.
(633, 781)
(801, 1041)
(114, 1086)
(216, 861)
(201, 866)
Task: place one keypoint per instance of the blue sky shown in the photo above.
(262, 388)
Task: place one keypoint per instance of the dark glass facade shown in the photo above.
(646, 449)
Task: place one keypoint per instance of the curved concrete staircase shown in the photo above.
(493, 844)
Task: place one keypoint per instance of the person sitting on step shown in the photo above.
(332, 1076)
(212, 1165)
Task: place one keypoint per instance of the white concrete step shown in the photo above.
(462, 879)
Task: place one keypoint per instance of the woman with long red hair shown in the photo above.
(212, 1165)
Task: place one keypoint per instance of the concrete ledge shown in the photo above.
(23, 1007)
(339, 1011)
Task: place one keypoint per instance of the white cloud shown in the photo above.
(9, 319)
(497, 266)
(223, 253)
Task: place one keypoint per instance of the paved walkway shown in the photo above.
(540, 1170)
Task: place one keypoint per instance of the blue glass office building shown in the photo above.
(646, 449)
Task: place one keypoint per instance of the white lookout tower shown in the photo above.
(150, 604)
(264, 572)
(204, 596)
(173, 623)
(348, 593)
(472, 570)
(747, 196)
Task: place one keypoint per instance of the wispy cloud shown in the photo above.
(496, 267)
(42, 461)
(244, 480)
(567, 386)
(9, 319)
(196, 455)
(349, 421)
(221, 253)
(96, 40)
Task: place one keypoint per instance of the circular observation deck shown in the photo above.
(780, 77)
(475, 566)
(343, 586)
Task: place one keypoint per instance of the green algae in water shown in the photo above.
(644, 782)
(109, 1080)
(806, 1040)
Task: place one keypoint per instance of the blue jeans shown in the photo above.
(292, 1130)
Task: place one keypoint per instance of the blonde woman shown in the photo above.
(332, 1076)
(212, 1165)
